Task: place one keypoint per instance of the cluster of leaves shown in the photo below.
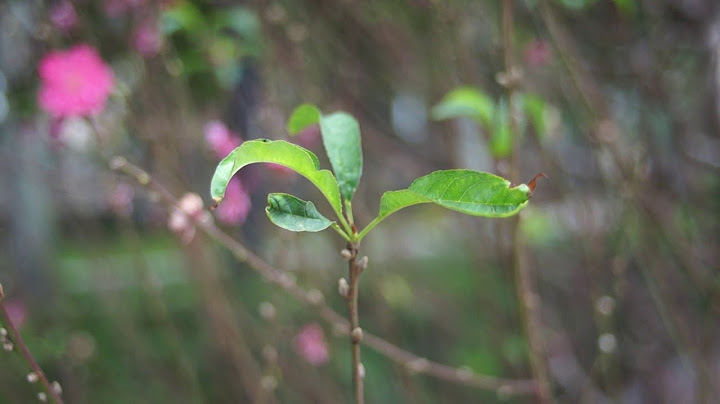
(493, 117)
(214, 41)
(467, 191)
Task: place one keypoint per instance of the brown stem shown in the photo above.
(355, 267)
(25, 351)
(529, 300)
(414, 363)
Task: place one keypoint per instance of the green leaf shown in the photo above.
(466, 102)
(626, 7)
(303, 116)
(294, 214)
(576, 4)
(240, 19)
(341, 138)
(535, 109)
(501, 137)
(303, 161)
(181, 16)
(471, 192)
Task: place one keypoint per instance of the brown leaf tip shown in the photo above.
(531, 183)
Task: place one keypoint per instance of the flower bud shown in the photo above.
(343, 287)
(363, 262)
(356, 335)
(314, 297)
(32, 377)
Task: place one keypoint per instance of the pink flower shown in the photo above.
(17, 312)
(74, 82)
(281, 169)
(235, 206)
(220, 139)
(120, 199)
(308, 137)
(63, 15)
(182, 219)
(537, 53)
(147, 39)
(310, 344)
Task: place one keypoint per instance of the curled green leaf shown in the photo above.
(301, 160)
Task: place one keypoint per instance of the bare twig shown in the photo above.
(412, 362)
(25, 352)
(527, 296)
(355, 267)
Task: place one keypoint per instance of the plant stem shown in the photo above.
(529, 300)
(25, 352)
(414, 363)
(355, 267)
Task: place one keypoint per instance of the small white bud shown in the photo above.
(268, 383)
(418, 365)
(314, 297)
(57, 388)
(117, 162)
(42, 396)
(607, 342)
(286, 280)
(270, 353)
(356, 334)
(605, 305)
(3, 332)
(464, 373)
(361, 370)
(363, 262)
(267, 310)
(346, 254)
(8, 346)
(504, 392)
(343, 287)
(32, 377)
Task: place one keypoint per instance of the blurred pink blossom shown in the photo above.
(236, 205)
(75, 82)
(63, 15)
(17, 312)
(182, 219)
(308, 137)
(281, 169)
(120, 199)
(310, 344)
(537, 53)
(147, 39)
(220, 139)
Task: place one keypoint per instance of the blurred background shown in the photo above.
(615, 100)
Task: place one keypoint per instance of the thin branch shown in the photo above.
(412, 362)
(355, 267)
(527, 296)
(25, 351)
